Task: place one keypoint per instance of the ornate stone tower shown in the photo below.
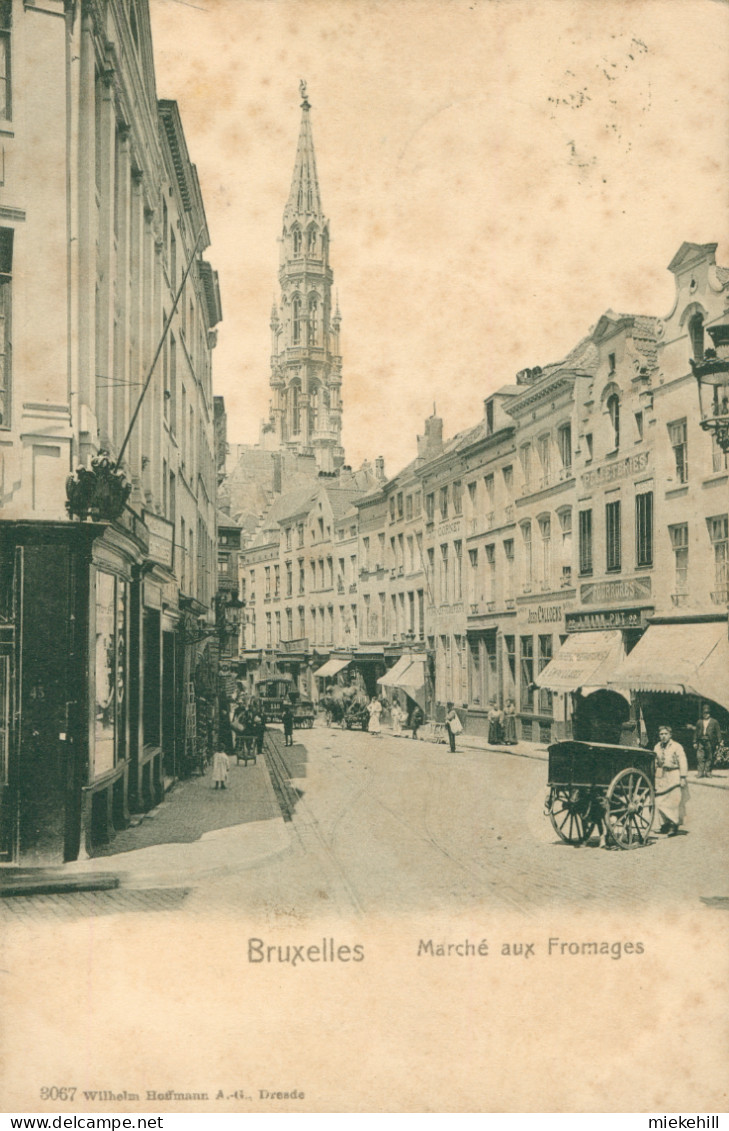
(306, 367)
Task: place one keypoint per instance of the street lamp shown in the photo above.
(712, 372)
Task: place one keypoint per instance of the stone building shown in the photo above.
(103, 608)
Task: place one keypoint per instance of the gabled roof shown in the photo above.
(688, 252)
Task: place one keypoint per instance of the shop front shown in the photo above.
(678, 664)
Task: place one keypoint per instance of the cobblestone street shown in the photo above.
(380, 825)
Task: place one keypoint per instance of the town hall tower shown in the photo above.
(306, 366)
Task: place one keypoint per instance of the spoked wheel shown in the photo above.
(569, 812)
(629, 808)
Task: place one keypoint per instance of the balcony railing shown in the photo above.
(720, 597)
(679, 599)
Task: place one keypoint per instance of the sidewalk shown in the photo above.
(194, 833)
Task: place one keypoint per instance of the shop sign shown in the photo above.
(617, 469)
(606, 619)
(161, 539)
(545, 614)
(454, 527)
(626, 589)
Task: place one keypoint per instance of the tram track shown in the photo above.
(422, 831)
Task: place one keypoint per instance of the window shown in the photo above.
(267, 575)
(296, 313)
(6, 266)
(392, 508)
(525, 456)
(644, 529)
(679, 543)
(545, 532)
(526, 667)
(696, 334)
(444, 502)
(585, 536)
(677, 433)
(6, 9)
(458, 497)
(302, 576)
(565, 522)
(490, 490)
(611, 363)
(288, 537)
(289, 579)
(638, 427)
(297, 241)
(289, 624)
(444, 581)
(416, 504)
(719, 535)
(458, 553)
(473, 577)
(400, 510)
(430, 507)
(564, 441)
(613, 407)
(491, 564)
(526, 534)
(719, 458)
(545, 445)
(544, 657)
(612, 536)
(509, 555)
(365, 554)
(300, 534)
(409, 507)
(588, 447)
(472, 497)
(508, 473)
(489, 417)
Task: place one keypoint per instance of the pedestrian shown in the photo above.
(671, 774)
(495, 719)
(220, 769)
(707, 737)
(509, 738)
(417, 719)
(287, 718)
(453, 725)
(258, 727)
(375, 710)
(396, 716)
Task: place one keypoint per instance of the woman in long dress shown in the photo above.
(220, 769)
(375, 709)
(396, 716)
(495, 718)
(509, 723)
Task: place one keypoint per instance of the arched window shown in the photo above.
(312, 240)
(296, 315)
(295, 414)
(613, 407)
(297, 241)
(696, 334)
(311, 329)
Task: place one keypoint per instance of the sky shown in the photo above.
(496, 173)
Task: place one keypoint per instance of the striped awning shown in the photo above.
(331, 667)
(586, 660)
(685, 659)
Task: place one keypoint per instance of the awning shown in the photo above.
(409, 676)
(686, 659)
(391, 677)
(331, 667)
(586, 660)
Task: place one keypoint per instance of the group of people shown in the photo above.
(502, 724)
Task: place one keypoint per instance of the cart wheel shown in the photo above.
(569, 812)
(629, 809)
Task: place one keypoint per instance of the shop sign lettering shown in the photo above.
(545, 614)
(626, 589)
(618, 469)
(606, 618)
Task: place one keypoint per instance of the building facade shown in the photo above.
(105, 601)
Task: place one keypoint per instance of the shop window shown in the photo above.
(644, 528)
(585, 537)
(613, 559)
(6, 294)
(151, 704)
(677, 433)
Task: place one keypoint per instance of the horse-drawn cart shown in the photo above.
(593, 785)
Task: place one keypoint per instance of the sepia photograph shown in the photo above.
(364, 556)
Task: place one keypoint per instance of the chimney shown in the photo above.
(380, 469)
(431, 444)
